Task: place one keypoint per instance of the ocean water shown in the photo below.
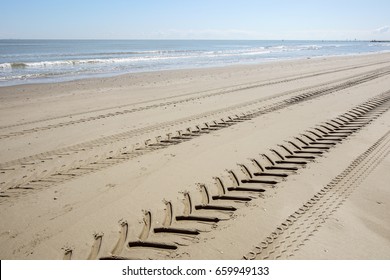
(37, 61)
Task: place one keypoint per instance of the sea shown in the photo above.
(49, 61)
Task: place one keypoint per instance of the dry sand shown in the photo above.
(285, 160)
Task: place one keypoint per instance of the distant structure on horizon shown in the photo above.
(380, 41)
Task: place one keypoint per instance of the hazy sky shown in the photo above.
(195, 19)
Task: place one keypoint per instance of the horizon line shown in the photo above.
(193, 39)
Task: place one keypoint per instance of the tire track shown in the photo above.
(143, 108)
(51, 175)
(163, 239)
(230, 89)
(290, 235)
(132, 133)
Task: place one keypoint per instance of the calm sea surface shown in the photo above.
(32, 61)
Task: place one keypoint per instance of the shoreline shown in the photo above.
(186, 68)
(211, 68)
(102, 167)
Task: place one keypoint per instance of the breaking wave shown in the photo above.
(157, 55)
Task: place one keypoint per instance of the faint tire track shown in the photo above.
(138, 109)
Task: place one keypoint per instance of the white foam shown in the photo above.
(160, 55)
(5, 65)
(59, 63)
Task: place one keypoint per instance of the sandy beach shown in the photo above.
(280, 160)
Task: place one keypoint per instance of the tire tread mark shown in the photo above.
(296, 229)
(313, 215)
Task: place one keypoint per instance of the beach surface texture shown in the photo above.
(279, 160)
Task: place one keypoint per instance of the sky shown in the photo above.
(195, 19)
